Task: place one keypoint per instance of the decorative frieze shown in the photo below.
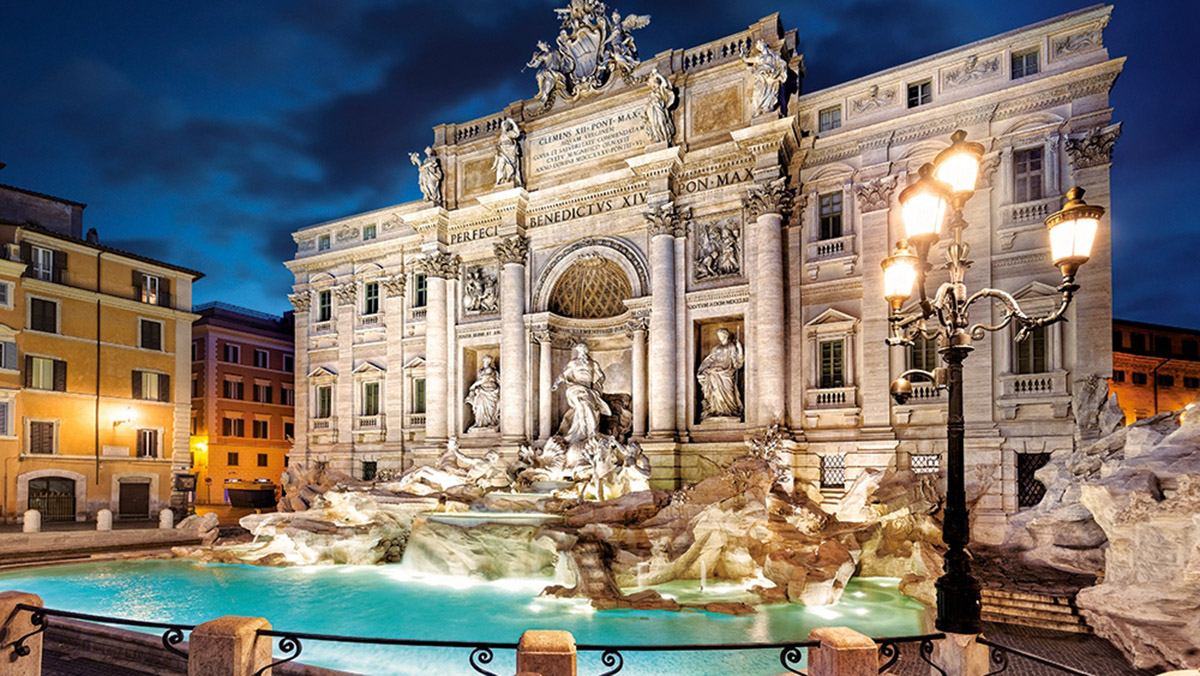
(480, 293)
(875, 195)
(347, 232)
(442, 264)
(1076, 43)
(973, 69)
(772, 197)
(1095, 147)
(666, 219)
(874, 99)
(512, 249)
(307, 244)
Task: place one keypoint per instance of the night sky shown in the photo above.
(204, 133)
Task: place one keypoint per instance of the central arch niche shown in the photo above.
(593, 287)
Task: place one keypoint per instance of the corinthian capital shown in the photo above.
(512, 249)
(393, 286)
(346, 293)
(300, 301)
(772, 197)
(1094, 148)
(665, 219)
(443, 264)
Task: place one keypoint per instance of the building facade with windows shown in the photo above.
(1155, 368)
(761, 212)
(93, 369)
(242, 396)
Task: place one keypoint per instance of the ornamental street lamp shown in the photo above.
(936, 199)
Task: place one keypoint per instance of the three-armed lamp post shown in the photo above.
(938, 196)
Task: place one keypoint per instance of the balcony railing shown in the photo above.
(1032, 212)
(370, 423)
(322, 424)
(322, 328)
(832, 397)
(1034, 384)
(826, 249)
(416, 420)
(367, 321)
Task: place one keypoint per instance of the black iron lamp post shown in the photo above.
(937, 198)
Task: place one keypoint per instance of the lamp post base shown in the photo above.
(959, 604)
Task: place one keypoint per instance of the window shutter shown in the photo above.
(10, 356)
(60, 375)
(164, 292)
(4, 418)
(137, 285)
(27, 258)
(60, 266)
(269, 395)
(164, 387)
(137, 384)
(28, 371)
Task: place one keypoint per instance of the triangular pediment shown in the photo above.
(369, 368)
(415, 363)
(322, 372)
(1035, 289)
(831, 316)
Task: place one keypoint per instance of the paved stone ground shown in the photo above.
(54, 664)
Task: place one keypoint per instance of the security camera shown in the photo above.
(901, 391)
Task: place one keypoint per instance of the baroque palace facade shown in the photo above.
(714, 237)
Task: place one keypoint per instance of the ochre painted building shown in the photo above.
(1155, 368)
(242, 398)
(93, 367)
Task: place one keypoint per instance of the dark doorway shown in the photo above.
(135, 501)
(54, 497)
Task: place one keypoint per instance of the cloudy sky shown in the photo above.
(204, 133)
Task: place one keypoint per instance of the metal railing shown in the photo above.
(291, 643)
(889, 650)
(40, 618)
(999, 658)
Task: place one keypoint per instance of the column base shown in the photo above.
(959, 604)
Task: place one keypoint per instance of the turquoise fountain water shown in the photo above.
(387, 601)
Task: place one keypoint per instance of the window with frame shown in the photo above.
(831, 215)
(289, 430)
(832, 364)
(324, 305)
(42, 439)
(262, 393)
(232, 354)
(197, 350)
(323, 243)
(147, 443)
(289, 363)
(833, 471)
(418, 395)
(1190, 349)
(370, 398)
(262, 359)
(150, 334)
(1024, 63)
(1030, 491)
(1118, 376)
(1031, 353)
(371, 298)
(368, 232)
(45, 373)
(1139, 378)
(1166, 380)
(43, 263)
(323, 395)
(287, 395)
(6, 415)
(420, 290)
(1028, 172)
(923, 354)
(149, 386)
(43, 315)
(1137, 342)
(1191, 382)
(195, 429)
(920, 93)
(925, 463)
(233, 389)
(231, 458)
(195, 387)
(260, 429)
(829, 119)
(262, 459)
(1162, 346)
(8, 355)
(233, 427)
(6, 295)
(151, 289)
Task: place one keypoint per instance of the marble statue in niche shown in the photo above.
(657, 112)
(770, 72)
(429, 175)
(584, 381)
(484, 396)
(479, 292)
(507, 164)
(718, 249)
(717, 375)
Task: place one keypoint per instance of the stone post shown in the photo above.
(662, 222)
(549, 653)
(229, 646)
(437, 267)
(545, 377)
(14, 624)
(512, 252)
(31, 522)
(104, 519)
(961, 655)
(166, 519)
(843, 652)
(768, 204)
(638, 329)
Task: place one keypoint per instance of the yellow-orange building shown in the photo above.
(242, 400)
(1155, 368)
(94, 367)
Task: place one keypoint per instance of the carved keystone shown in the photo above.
(550, 653)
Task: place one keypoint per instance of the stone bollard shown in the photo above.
(13, 625)
(549, 653)
(961, 655)
(843, 652)
(229, 646)
(32, 522)
(104, 519)
(166, 519)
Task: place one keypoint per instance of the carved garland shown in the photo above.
(513, 249)
(772, 197)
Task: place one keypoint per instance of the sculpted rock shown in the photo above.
(489, 551)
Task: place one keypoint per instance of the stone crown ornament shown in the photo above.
(772, 197)
(591, 48)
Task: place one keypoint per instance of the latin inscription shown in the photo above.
(701, 183)
(560, 148)
(472, 235)
(600, 206)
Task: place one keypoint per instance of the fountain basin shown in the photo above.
(473, 519)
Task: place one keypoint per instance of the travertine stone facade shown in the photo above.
(767, 221)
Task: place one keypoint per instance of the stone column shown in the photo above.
(545, 377)
(768, 204)
(345, 407)
(229, 646)
(638, 329)
(662, 221)
(437, 267)
(14, 624)
(512, 252)
(392, 289)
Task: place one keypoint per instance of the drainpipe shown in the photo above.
(1154, 377)
(97, 431)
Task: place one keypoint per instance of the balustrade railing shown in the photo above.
(369, 423)
(323, 424)
(831, 248)
(718, 51)
(831, 397)
(172, 634)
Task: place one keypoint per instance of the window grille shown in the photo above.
(833, 471)
(926, 463)
(1029, 490)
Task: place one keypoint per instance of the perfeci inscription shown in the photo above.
(564, 147)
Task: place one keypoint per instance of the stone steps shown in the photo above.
(1033, 610)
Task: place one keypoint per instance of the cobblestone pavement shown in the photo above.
(55, 664)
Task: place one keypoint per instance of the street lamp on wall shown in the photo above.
(934, 201)
(125, 416)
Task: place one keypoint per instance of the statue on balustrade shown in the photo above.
(770, 72)
(718, 378)
(657, 112)
(584, 381)
(484, 396)
(429, 175)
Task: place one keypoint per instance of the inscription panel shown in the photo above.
(586, 141)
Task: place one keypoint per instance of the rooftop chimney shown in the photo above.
(92, 236)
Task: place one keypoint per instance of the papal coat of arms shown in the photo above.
(592, 48)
